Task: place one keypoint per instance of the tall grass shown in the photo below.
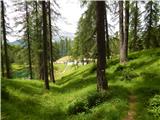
(28, 99)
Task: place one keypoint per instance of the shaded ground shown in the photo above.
(132, 108)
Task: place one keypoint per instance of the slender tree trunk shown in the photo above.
(107, 35)
(51, 47)
(123, 57)
(102, 84)
(2, 60)
(41, 72)
(28, 40)
(41, 49)
(2, 67)
(41, 66)
(135, 47)
(148, 40)
(126, 29)
(44, 12)
(39, 38)
(6, 59)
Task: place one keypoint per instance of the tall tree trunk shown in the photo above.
(28, 41)
(50, 41)
(45, 65)
(126, 29)
(39, 38)
(2, 60)
(123, 57)
(102, 83)
(107, 35)
(148, 40)
(6, 59)
(135, 47)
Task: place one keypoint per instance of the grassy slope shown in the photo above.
(28, 100)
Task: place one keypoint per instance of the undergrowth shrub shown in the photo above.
(77, 107)
(147, 92)
(148, 74)
(83, 106)
(133, 65)
(128, 74)
(154, 107)
(120, 68)
(93, 68)
(96, 98)
(132, 57)
(4, 93)
(111, 62)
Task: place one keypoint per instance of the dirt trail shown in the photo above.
(132, 106)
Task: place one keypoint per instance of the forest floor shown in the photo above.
(133, 94)
(132, 108)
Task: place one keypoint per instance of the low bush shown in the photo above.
(154, 107)
(120, 68)
(111, 62)
(148, 75)
(128, 74)
(77, 107)
(80, 106)
(4, 92)
(96, 98)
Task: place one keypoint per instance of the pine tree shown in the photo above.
(107, 34)
(86, 33)
(135, 27)
(2, 60)
(28, 41)
(45, 64)
(6, 58)
(121, 33)
(50, 43)
(102, 84)
(151, 22)
(126, 29)
(38, 40)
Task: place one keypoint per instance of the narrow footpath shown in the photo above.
(132, 108)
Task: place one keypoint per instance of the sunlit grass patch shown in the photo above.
(27, 99)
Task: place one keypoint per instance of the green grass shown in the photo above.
(19, 71)
(28, 100)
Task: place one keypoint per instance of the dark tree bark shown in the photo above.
(102, 84)
(45, 66)
(135, 27)
(39, 38)
(148, 40)
(126, 29)
(123, 57)
(2, 60)
(50, 42)
(28, 41)
(107, 35)
(6, 59)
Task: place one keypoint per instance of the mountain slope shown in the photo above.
(27, 99)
